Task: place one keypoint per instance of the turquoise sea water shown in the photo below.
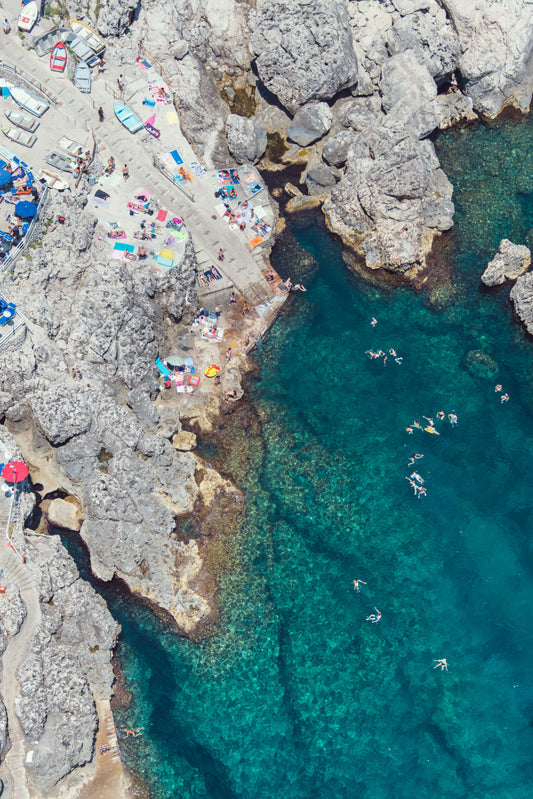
(297, 695)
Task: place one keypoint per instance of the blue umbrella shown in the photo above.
(25, 209)
(5, 177)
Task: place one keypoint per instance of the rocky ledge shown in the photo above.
(101, 439)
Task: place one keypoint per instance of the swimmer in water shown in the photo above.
(498, 387)
(453, 418)
(416, 476)
(504, 398)
(440, 664)
(412, 484)
(414, 457)
(409, 430)
(430, 422)
(393, 353)
(431, 429)
(399, 360)
(357, 583)
(373, 321)
(374, 617)
(441, 415)
(416, 423)
(421, 491)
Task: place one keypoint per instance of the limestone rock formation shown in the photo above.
(496, 41)
(60, 513)
(522, 298)
(132, 482)
(12, 611)
(310, 123)
(247, 141)
(68, 667)
(114, 18)
(336, 147)
(304, 50)
(392, 199)
(511, 261)
(409, 93)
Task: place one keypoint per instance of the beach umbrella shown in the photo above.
(5, 177)
(25, 209)
(15, 472)
(175, 360)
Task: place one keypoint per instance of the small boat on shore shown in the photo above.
(44, 44)
(70, 146)
(81, 49)
(22, 120)
(19, 136)
(31, 102)
(127, 118)
(83, 78)
(58, 57)
(59, 162)
(54, 181)
(88, 35)
(28, 16)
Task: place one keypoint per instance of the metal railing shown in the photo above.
(34, 84)
(163, 171)
(21, 246)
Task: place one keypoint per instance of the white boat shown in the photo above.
(82, 78)
(69, 146)
(35, 105)
(19, 136)
(53, 180)
(59, 162)
(28, 16)
(22, 120)
(88, 35)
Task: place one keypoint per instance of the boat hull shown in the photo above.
(58, 57)
(127, 118)
(30, 102)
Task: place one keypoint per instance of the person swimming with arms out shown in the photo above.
(453, 418)
(504, 398)
(357, 583)
(416, 476)
(409, 430)
(421, 491)
(374, 617)
(441, 415)
(440, 663)
(414, 457)
(412, 484)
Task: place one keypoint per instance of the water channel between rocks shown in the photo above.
(297, 696)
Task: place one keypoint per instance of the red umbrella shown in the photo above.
(15, 472)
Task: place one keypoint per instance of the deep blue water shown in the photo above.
(297, 695)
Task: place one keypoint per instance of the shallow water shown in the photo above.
(297, 695)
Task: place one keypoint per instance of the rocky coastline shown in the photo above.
(350, 92)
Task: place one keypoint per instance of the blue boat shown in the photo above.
(126, 116)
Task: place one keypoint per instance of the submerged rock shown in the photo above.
(511, 261)
(304, 50)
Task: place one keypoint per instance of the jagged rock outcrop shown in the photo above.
(392, 199)
(409, 94)
(496, 41)
(336, 147)
(132, 482)
(511, 261)
(114, 18)
(12, 611)
(310, 123)
(247, 141)
(69, 667)
(522, 298)
(304, 50)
